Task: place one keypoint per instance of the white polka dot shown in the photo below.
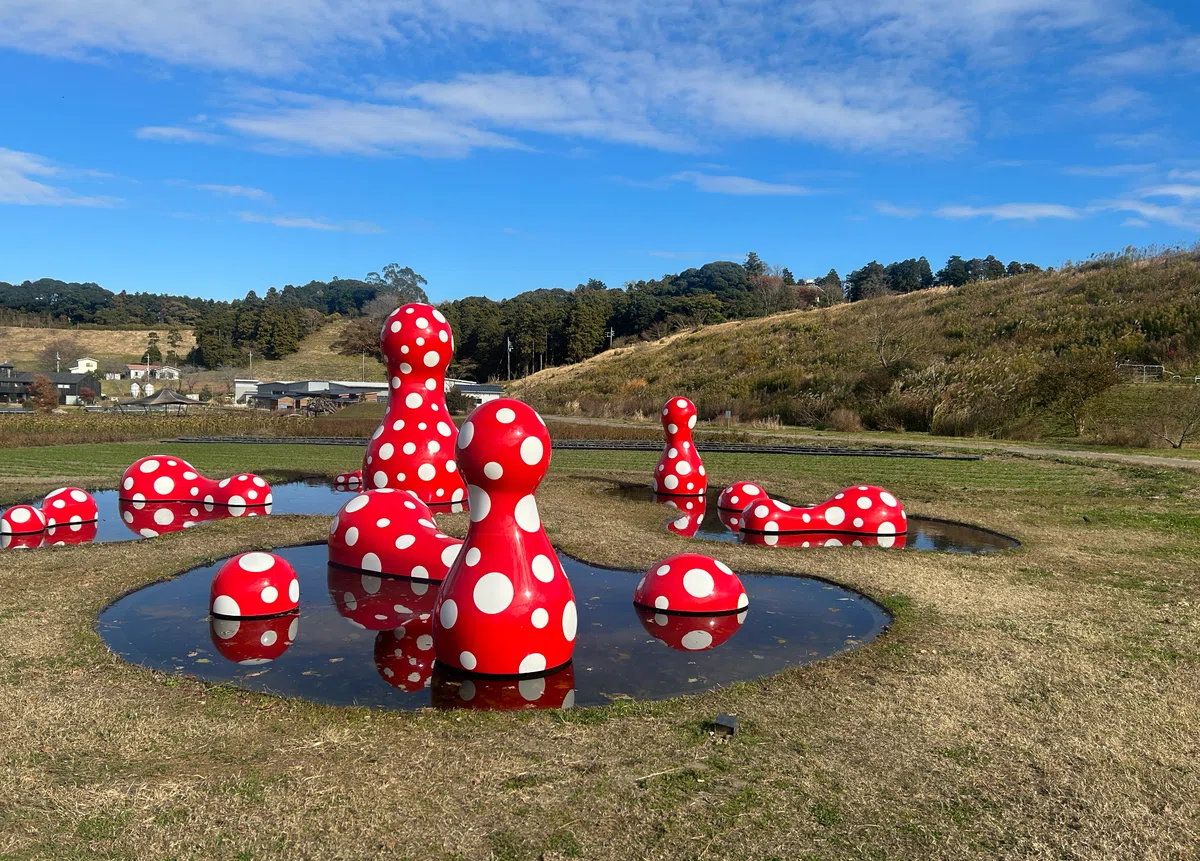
(858, 522)
(269, 594)
(473, 556)
(834, 515)
(450, 553)
(505, 416)
(698, 583)
(426, 472)
(493, 593)
(147, 533)
(663, 570)
(493, 470)
(409, 448)
(671, 482)
(370, 562)
(164, 517)
(422, 323)
(149, 466)
(413, 400)
(771, 527)
(79, 496)
(351, 536)
(527, 514)
(432, 358)
(443, 429)
(533, 663)
(864, 502)
(570, 621)
(405, 541)
(661, 603)
(294, 593)
(683, 467)
(692, 422)
(357, 503)
(480, 502)
(448, 614)
(672, 452)
(225, 483)
(128, 483)
(886, 528)
(671, 428)
(163, 485)
(19, 515)
(419, 572)
(236, 502)
(696, 640)
(887, 498)
(543, 568)
(386, 451)
(257, 562)
(226, 606)
(128, 516)
(466, 434)
(761, 511)
(540, 618)
(395, 326)
(532, 450)
(398, 424)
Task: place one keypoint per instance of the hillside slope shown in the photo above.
(21, 346)
(957, 360)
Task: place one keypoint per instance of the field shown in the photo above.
(21, 346)
(1039, 703)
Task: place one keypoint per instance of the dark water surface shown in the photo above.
(923, 533)
(621, 651)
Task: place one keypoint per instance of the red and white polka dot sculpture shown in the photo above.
(404, 657)
(691, 583)
(69, 505)
(413, 448)
(162, 478)
(391, 532)
(690, 633)
(691, 513)
(254, 584)
(253, 641)
(740, 494)
(859, 510)
(680, 471)
(22, 520)
(452, 690)
(348, 480)
(506, 607)
(378, 603)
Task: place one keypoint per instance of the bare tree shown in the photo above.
(892, 337)
(1176, 419)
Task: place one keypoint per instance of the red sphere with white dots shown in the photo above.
(254, 584)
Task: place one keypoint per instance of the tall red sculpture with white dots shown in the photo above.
(680, 472)
(413, 449)
(505, 607)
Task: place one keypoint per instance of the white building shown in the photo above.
(86, 365)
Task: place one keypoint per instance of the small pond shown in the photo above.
(699, 517)
(347, 646)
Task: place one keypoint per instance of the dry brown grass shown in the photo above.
(19, 344)
(1034, 704)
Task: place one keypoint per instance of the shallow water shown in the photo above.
(699, 517)
(336, 657)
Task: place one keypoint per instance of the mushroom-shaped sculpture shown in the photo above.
(740, 494)
(348, 480)
(404, 657)
(686, 632)
(391, 532)
(823, 539)
(691, 513)
(151, 519)
(22, 520)
(378, 603)
(254, 584)
(452, 689)
(254, 641)
(506, 607)
(680, 472)
(164, 478)
(71, 533)
(69, 505)
(413, 447)
(860, 510)
(691, 583)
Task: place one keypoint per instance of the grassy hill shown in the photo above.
(983, 358)
(22, 346)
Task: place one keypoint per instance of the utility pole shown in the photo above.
(57, 361)
(508, 355)
(251, 363)
(611, 332)
(364, 352)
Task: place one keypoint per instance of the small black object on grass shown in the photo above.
(725, 724)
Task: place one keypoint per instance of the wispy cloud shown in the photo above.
(883, 207)
(739, 185)
(302, 223)
(235, 191)
(1108, 171)
(24, 181)
(1176, 190)
(176, 134)
(1123, 100)
(1135, 222)
(1185, 175)
(1010, 211)
(1182, 217)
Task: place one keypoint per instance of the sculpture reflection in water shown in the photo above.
(686, 632)
(151, 519)
(379, 602)
(454, 689)
(822, 539)
(691, 513)
(254, 641)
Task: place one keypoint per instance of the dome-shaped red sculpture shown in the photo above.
(680, 472)
(861, 510)
(254, 584)
(378, 603)
(254, 641)
(71, 533)
(391, 532)
(164, 478)
(413, 448)
(22, 520)
(404, 657)
(691, 583)
(348, 480)
(506, 607)
(69, 505)
(455, 690)
(690, 633)
(823, 539)
(740, 494)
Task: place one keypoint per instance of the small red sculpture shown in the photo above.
(506, 607)
(680, 471)
(413, 448)
(391, 532)
(22, 520)
(348, 480)
(454, 690)
(861, 510)
(163, 478)
(379, 603)
(740, 494)
(254, 584)
(404, 657)
(71, 533)
(685, 632)
(692, 510)
(254, 641)
(69, 505)
(691, 583)
(823, 539)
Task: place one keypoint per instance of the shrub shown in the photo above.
(846, 420)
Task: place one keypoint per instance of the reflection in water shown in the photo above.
(254, 641)
(151, 519)
(824, 539)
(691, 512)
(922, 534)
(378, 602)
(795, 620)
(453, 689)
(71, 533)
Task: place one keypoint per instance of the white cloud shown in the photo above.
(1107, 170)
(1135, 222)
(236, 191)
(739, 185)
(300, 222)
(883, 207)
(1009, 211)
(1120, 100)
(175, 134)
(1175, 216)
(23, 181)
(1185, 175)
(1177, 190)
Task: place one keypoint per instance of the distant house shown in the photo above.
(479, 392)
(14, 385)
(296, 394)
(155, 372)
(86, 365)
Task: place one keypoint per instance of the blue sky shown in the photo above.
(210, 148)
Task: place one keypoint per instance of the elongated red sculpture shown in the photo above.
(506, 607)
(69, 505)
(691, 583)
(22, 520)
(254, 584)
(254, 641)
(864, 509)
(379, 603)
(163, 478)
(823, 539)
(690, 633)
(740, 494)
(680, 471)
(404, 657)
(454, 690)
(413, 449)
(348, 480)
(391, 532)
